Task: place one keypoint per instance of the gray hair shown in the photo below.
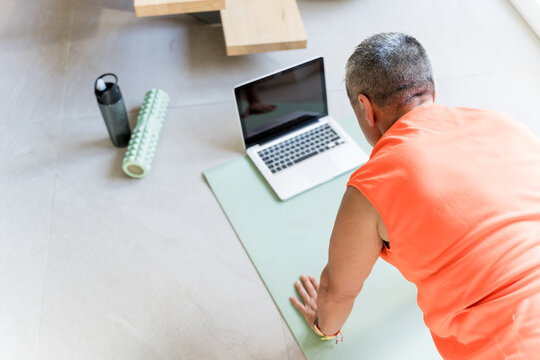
(390, 69)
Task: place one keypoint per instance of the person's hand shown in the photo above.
(308, 292)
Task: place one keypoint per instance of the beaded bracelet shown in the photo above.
(321, 334)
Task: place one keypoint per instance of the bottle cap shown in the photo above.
(100, 84)
(107, 93)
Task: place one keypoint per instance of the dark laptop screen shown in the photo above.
(278, 103)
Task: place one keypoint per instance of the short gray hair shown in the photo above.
(390, 69)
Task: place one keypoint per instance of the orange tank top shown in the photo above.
(459, 193)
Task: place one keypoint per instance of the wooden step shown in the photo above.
(253, 26)
(167, 7)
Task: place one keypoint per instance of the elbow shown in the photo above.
(340, 294)
(337, 290)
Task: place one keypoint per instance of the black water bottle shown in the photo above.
(113, 109)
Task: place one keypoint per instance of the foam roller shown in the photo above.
(144, 139)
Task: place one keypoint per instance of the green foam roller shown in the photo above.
(144, 139)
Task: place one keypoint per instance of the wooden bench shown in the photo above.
(249, 26)
(168, 7)
(253, 26)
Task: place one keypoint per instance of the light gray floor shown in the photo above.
(94, 265)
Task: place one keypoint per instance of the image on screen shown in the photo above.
(290, 97)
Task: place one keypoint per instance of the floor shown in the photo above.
(94, 265)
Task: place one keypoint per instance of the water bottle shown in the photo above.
(112, 107)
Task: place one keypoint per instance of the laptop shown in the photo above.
(287, 132)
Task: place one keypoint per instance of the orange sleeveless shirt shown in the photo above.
(459, 193)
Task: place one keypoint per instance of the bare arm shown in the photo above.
(355, 245)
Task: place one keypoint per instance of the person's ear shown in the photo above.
(368, 108)
(434, 90)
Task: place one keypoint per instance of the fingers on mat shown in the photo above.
(297, 304)
(315, 282)
(308, 284)
(302, 291)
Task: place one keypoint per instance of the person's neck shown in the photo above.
(393, 116)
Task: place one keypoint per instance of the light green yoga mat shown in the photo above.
(287, 239)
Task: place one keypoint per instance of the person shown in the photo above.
(450, 197)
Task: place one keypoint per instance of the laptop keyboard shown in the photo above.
(299, 148)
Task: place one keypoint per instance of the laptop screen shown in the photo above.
(278, 103)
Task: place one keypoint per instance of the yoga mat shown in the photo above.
(287, 239)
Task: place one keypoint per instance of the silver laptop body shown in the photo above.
(287, 132)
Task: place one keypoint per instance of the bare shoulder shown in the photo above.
(354, 201)
(356, 204)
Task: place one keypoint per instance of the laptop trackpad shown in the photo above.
(321, 170)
